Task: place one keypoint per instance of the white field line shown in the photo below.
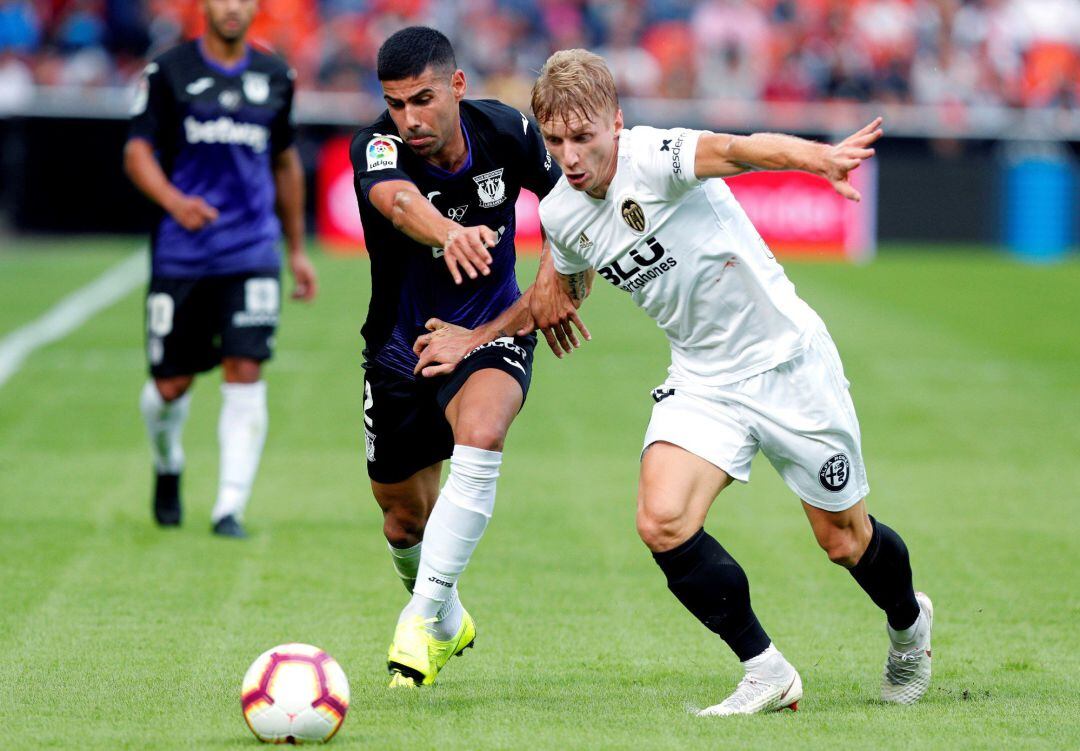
(71, 312)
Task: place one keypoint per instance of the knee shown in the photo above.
(173, 388)
(481, 436)
(661, 530)
(403, 528)
(843, 546)
(241, 370)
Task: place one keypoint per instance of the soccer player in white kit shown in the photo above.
(752, 365)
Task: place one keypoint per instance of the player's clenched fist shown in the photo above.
(466, 250)
(192, 212)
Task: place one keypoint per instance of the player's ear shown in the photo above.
(458, 84)
(618, 119)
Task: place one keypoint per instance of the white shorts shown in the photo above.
(799, 414)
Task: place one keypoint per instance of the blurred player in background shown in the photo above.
(437, 178)
(211, 143)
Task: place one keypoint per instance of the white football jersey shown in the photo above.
(687, 254)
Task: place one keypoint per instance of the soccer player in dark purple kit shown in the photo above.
(437, 177)
(211, 144)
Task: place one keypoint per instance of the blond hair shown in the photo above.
(574, 83)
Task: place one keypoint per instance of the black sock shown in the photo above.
(712, 586)
(884, 571)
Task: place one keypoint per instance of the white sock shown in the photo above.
(165, 426)
(241, 433)
(406, 561)
(769, 666)
(455, 527)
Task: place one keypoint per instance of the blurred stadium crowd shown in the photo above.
(1023, 53)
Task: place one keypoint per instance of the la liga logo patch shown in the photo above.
(382, 153)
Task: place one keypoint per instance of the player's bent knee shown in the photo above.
(661, 531)
(487, 437)
(403, 530)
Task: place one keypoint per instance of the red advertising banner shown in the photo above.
(801, 215)
(797, 214)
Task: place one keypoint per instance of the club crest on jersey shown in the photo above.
(633, 215)
(490, 188)
(381, 153)
(834, 473)
(256, 87)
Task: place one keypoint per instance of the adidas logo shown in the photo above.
(584, 243)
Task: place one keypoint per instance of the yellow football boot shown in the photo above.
(416, 656)
(463, 639)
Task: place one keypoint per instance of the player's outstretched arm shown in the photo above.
(465, 248)
(289, 183)
(724, 155)
(142, 167)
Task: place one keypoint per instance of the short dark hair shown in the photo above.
(408, 53)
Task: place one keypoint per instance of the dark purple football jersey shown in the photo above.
(215, 131)
(409, 281)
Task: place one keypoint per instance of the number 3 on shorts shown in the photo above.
(159, 314)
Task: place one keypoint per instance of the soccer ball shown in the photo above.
(294, 693)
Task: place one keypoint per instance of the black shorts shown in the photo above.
(405, 427)
(191, 324)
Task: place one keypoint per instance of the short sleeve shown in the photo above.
(152, 105)
(375, 159)
(541, 173)
(664, 159)
(283, 127)
(566, 261)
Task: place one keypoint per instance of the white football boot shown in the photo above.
(907, 668)
(752, 696)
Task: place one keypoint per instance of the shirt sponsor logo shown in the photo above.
(676, 154)
(633, 215)
(633, 271)
(199, 85)
(381, 153)
(256, 87)
(457, 213)
(490, 188)
(228, 131)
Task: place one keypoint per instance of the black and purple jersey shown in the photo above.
(214, 131)
(409, 281)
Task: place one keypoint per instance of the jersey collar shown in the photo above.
(239, 67)
(437, 171)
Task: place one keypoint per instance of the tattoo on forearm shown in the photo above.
(578, 284)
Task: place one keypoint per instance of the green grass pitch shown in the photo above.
(113, 634)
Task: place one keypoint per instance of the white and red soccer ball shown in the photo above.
(295, 693)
